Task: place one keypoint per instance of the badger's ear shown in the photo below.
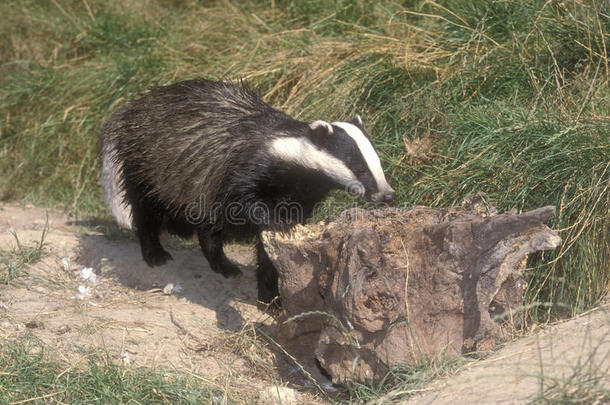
(320, 130)
(357, 121)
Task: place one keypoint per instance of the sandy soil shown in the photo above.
(208, 327)
(560, 357)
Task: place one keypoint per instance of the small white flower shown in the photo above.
(170, 289)
(167, 290)
(83, 292)
(65, 262)
(87, 274)
(125, 358)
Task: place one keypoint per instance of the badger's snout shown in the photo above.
(388, 197)
(384, 197)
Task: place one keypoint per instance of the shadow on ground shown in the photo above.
(121, 260)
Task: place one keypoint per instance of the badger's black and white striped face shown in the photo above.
(344, 153)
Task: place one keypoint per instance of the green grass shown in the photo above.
(509, 98)
(401, 383)
(29, 373)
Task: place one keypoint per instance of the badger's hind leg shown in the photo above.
(211, 246)
(148, 218)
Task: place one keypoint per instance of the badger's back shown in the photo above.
(188, 143)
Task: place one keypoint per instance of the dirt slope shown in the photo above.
(564, 355)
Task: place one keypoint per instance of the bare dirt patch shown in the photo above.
(204, 326)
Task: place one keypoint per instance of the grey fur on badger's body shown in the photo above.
(212, 158)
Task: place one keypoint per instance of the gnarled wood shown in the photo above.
(371, 290)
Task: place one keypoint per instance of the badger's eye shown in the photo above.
(360, 171)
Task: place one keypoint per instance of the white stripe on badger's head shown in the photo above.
(371, 158)
(300, 151)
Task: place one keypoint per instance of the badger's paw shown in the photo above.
(157, 257)
(229, 269)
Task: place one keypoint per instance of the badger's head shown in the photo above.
(344, 153)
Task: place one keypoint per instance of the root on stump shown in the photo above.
(372, 290)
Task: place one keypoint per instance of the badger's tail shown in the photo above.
(114, 194)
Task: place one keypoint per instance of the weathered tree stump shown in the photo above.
(371, 290)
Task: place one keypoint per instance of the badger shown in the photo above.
(212, 158)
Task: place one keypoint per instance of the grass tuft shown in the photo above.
(586, 384)
(401, 383)
(28, 373)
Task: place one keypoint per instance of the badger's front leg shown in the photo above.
(211, 246)
(266, 276)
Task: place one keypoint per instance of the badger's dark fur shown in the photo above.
(212, 158)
